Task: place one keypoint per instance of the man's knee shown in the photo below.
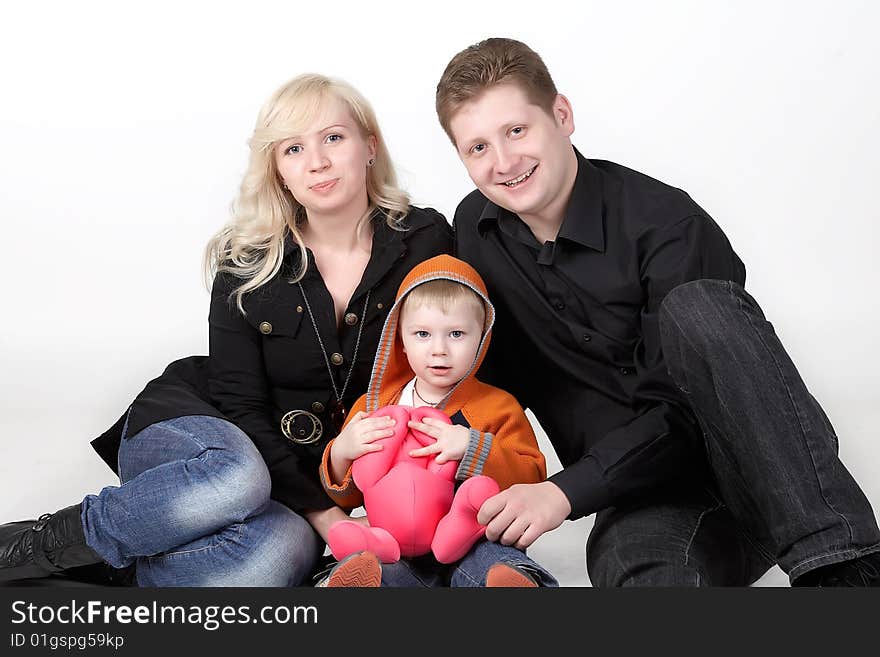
(701, 312)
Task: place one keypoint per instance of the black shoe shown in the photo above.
(37, 548)
(863, 571)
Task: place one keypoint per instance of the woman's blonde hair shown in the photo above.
(251, 245)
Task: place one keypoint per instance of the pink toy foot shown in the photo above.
(458, 530)
(347, 537)
(369, 468)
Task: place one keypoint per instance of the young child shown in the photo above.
(433, 342)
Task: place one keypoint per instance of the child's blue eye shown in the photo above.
(334, 138)
(456, 334)
(296, 148)
(422, 334)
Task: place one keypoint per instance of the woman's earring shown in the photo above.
(371, 161)
(284, 185)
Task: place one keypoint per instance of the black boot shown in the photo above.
(863, 571)
(37, 548)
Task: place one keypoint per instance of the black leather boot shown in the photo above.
(37, 548)
(862, 571)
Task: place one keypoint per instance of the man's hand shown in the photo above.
(519, 515)
(452, 440)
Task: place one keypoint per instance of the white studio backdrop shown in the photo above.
(123, 131)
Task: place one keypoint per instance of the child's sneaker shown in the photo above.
(361, 569)
(509, 576)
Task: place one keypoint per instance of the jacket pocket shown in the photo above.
(275, 319)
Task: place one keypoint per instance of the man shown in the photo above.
(674, 409)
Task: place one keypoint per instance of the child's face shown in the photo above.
(440, 347)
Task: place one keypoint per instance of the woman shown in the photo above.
(218, 457)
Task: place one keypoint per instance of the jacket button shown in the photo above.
(265, 328)
(351, 319)
(336, 359)
(317, 407)
(560, 305)
(587, 337)
(380, 306)
(626, 371)
(299, 309)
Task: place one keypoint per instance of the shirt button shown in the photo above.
(560, 305)
(625, 371)
(317, 407)
(336, 359)
(380, 306)
(351, 319)
(265, 328)
(587, 337)
(299, 309)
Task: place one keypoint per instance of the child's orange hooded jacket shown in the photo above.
(502, 443)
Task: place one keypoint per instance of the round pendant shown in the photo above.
(337, 415)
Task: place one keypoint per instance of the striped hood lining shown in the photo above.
(391, 370)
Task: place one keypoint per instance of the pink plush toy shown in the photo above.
(411, 503)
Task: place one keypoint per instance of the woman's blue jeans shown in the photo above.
(193, 509)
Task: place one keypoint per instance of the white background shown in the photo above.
(122, 143)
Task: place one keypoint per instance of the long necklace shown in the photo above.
(337, 413)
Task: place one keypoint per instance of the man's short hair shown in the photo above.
(445, 294)
(486, 64)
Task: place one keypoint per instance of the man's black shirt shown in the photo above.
(577, 339)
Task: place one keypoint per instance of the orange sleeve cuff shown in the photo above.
(346, 494)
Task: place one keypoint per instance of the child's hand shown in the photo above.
(358, 436)
(452, 439)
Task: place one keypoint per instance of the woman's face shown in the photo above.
(325, 167)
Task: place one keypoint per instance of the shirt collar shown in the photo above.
(583, 221)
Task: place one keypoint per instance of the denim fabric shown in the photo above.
(684, 538)
(778, 493)
(471, 571)
(193, 509)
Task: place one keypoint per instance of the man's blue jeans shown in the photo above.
(194, 510)
(778, 492)
(471, 571)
